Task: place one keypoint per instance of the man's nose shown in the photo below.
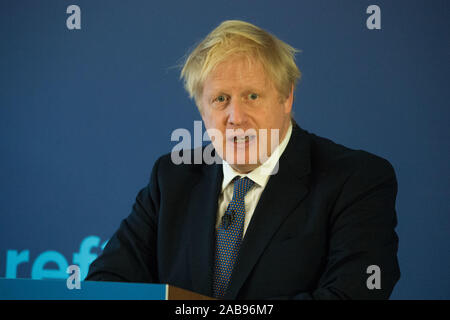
(236, 111)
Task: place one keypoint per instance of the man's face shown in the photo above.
(238, 96)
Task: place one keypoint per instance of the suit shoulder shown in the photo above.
(327, 154)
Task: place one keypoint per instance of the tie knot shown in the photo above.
(241, 187)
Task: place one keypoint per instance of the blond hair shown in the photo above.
(238, 37)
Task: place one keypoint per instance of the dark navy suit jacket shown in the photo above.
(322, 220)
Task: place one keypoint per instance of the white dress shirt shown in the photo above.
(260, 176)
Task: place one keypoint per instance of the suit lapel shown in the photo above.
(283, 193)
(202, 215)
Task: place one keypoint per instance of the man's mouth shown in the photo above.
(241, 139)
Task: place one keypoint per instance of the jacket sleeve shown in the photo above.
(130, 254)
(361, 235)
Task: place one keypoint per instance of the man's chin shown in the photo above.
(244, 162)
(244, 168)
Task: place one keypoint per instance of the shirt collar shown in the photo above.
(261, 174)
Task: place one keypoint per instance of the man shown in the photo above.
(304, 219)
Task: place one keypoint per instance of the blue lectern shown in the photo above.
(28, 289)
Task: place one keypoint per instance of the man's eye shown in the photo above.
(221, 98)
(253, 96)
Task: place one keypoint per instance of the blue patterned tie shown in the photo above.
(229, 236)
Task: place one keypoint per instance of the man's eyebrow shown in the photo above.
(249, 89)
(252, 89)
(215, 93)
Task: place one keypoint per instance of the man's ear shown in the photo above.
(289, 101)
(198, 104)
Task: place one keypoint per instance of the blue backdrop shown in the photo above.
(85, 113)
